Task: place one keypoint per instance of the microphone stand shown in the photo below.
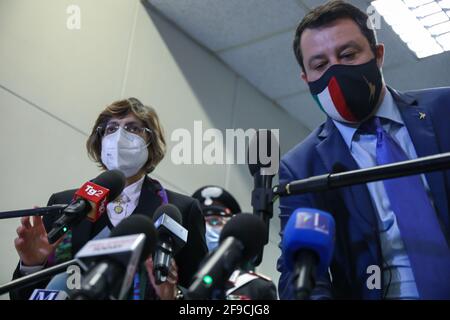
(262, 203)
(56, 208)
(331, 181)
(263, 195)
(39, 276)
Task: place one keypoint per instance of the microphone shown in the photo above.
(307, 245)
(241, 239)
(263, 162)
(90, 201)
(114, 260)
(172, 236)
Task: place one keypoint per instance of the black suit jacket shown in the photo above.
(187, 259)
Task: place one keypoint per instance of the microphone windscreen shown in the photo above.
(113, 180)
(135, 224)
(249, 229)
(312, 230)
(170, 210)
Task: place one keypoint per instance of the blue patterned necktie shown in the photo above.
(421, 232)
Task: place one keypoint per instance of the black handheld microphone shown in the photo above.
(241, 240)
(114, 260)
(172, 236)
(90, 201)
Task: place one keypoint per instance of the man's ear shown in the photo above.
(380, 55)
(304, 77)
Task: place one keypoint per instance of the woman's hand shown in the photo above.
(32, 244)
(167, 290)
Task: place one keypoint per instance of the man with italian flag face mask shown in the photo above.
(342, 71)
(349, 93)
(392, 236)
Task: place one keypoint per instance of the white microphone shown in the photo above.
(113, 261)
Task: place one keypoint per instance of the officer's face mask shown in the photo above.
(349, 93)
(212, 237)
(124, 151)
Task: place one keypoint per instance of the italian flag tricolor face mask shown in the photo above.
(348, 93)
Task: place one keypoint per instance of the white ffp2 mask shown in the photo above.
(124, 151)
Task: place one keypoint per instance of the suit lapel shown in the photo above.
(149, 201)
(333, 150)
(81, 234)
(419, 123)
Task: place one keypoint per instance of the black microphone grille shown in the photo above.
(135, 224)
(249, 229)
(170, 210)
(113, 180)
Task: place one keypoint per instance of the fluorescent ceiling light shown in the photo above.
(424, 25)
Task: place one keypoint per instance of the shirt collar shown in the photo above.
(387, 110)
(133, 190)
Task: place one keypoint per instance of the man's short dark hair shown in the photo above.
(328, 13)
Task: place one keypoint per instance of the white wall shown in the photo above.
(54, 81)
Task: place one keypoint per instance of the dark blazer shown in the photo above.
(187, 260)
(357, 237)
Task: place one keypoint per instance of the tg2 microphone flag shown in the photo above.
(89, 201)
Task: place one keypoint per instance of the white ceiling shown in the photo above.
(254, 38)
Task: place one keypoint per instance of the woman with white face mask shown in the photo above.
(126, 136)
